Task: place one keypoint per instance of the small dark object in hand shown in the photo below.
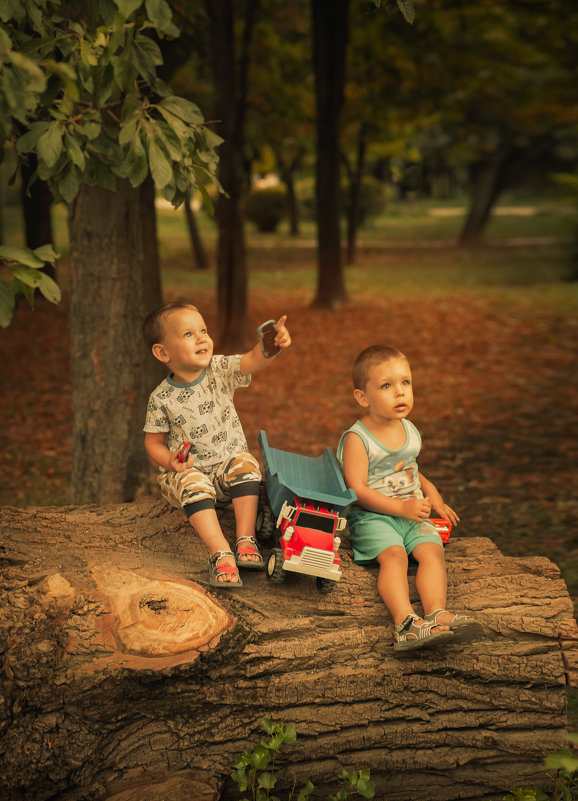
(267, 333)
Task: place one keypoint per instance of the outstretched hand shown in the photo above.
(447, 513)
(283, 338)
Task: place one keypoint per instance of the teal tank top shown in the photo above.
(393, 473)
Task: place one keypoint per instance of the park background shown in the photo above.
(476, 285)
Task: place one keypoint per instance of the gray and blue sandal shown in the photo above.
(252, 549)
(410, 635)
(226, 570)
(465, 629)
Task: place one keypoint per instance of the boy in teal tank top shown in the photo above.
(394, 501)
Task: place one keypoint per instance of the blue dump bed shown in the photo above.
(313, 478)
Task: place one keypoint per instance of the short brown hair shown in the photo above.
(153, 328)
(374, 354)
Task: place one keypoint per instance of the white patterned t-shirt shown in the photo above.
(201, 412)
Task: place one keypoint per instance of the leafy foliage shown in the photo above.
(27, 276)
(255, 770)
(79, 89)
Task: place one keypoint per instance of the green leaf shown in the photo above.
(68, 183)
(75, 151)
(46, 253)
(7, 303)
(12, 253)
(562, 760)
(147, 56)
(125, 71)
(260, 757)
(27, 275)
(160, 14)
(127, 7)
(161, 169)
(183, 109)
(136, 163)
(239, 776)
(407, 9)
(49, 288)
(267, 780)
(49, 145)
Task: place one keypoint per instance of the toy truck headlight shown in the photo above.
(288, 533)
(336, 543)
(341, 523)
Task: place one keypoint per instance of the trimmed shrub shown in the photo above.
(266, 208)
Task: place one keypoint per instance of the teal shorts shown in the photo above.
(371, 533)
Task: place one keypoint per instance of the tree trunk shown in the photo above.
(199, 252)
(330, 27)
(114, 283)
(230, 83)
(355, 175)
(487, 188)
(36, 210)
(125, 677)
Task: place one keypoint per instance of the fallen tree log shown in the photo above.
(124, 677)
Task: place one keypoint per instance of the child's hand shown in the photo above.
(283, 339)
(417, 509)
(176, 465)
(447, 513)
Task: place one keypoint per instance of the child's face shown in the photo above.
(186, 345)
(388, 393)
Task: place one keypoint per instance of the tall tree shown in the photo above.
(83, 83)
(330, 30)
(231, 48)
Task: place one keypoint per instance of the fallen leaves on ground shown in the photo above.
(496, 396)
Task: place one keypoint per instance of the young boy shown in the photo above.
(195, 404)
(394, 502)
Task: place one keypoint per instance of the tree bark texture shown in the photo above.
(115, 282)
(125, 677)
(330, 27)
(230, 84)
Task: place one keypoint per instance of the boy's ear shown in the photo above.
(359, 396)
(160, 352)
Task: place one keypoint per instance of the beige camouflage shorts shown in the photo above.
(237, 476)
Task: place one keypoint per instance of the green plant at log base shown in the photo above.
(564, 777)
(255, 770)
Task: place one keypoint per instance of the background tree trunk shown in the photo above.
(330, 30)
(230, 86)
(123, 678)
(199, 252)
(487, 188)
(36, 211)
(355, 179)
(114, 283)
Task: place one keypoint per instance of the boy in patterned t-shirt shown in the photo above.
(194, 404)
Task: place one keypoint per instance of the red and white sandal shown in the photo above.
(252, 549)
(225, 569)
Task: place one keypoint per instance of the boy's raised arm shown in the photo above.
(253, 360)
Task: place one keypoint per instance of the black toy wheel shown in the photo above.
(275, 572)
(265, 524)
(324, 585)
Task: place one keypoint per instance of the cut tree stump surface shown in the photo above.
(125, 677)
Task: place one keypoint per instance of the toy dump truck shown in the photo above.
(302, 510)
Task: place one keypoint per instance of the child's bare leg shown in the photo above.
(206, 524)
(392, 582)
(245, 508)
(431, 578)
(393, 586)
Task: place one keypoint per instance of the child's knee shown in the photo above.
(240, 475)
(392, 556)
